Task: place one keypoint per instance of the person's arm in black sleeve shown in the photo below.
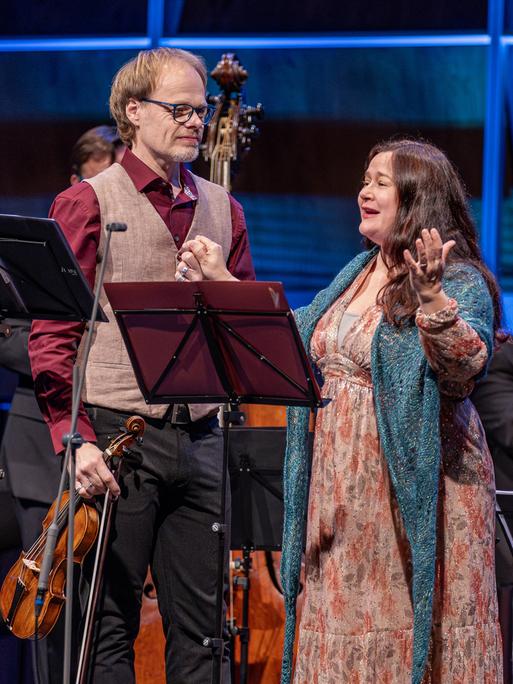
(493, 398)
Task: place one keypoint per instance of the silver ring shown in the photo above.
(184, 270)
(91, 484)
(180, 279)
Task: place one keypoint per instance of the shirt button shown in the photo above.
(177, 238)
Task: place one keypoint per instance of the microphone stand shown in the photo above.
(72, 441)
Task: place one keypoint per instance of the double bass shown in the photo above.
(226, 144)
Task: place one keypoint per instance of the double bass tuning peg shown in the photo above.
(249, 131)
(213, 99)
(257, 112)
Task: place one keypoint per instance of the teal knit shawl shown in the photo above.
(407, 404)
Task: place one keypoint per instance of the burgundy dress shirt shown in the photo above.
(53, 344)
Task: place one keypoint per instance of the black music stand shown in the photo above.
(39, 275)
(205, 342)
(256, 482)
(40, 278)
(256, 461)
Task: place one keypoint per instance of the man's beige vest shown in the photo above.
(145, 252)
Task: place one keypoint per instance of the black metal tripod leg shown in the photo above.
(216, 643)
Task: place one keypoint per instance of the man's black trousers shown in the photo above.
(170, 497)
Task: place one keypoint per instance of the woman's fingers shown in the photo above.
(430, 248)
(410, 261)
(209, 244)
(436, 240)
(435, 247)
(421, 253)
(426, 273)
(446, 249)
(190, 261)
(194, 247)
(427, 240)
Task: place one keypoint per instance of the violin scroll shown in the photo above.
(133, 430)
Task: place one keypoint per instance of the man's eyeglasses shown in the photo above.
(183, 112)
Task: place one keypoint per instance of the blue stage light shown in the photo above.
(275, 42)
(493, 150)
(52, 44)
(326, 41)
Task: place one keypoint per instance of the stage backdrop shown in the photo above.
(324, 109)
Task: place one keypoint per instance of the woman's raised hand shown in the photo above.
(426, 273)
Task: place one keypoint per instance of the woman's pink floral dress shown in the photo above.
(356, 622)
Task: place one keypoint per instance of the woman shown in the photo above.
(400, 581)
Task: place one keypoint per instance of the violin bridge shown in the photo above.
(31, 565)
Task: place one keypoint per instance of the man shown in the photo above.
(169, 499)
(95, 151)
(32, 469)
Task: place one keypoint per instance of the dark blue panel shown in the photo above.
(58, 85)
(61, 17)
(415, 85)
(442, 86)
(283, 16)
(301, 240)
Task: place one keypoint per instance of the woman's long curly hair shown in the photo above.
(431, 194)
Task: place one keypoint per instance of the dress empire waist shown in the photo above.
(339, 365)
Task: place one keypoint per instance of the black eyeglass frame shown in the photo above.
(207, 118)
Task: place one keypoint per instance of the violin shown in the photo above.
(19, 589)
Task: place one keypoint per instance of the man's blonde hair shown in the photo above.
(138, 79)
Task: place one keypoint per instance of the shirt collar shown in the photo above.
(142, 176)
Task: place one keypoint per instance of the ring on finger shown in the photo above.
(184, 270)
(180, 279)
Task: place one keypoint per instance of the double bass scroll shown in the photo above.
(233, 126)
